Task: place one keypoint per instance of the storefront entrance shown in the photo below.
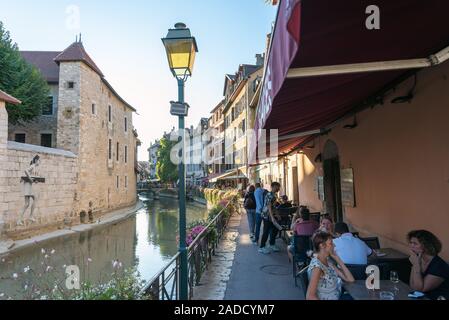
(332, 185)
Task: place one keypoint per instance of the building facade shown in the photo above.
(153, 157)
(239, 90)
(86, 117)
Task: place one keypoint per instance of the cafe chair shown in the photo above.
(304, 280)
(358, 271)
(315, 216)
(372, 242)
(302, 254)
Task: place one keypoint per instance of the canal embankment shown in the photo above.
(10, 246)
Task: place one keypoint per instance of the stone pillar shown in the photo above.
(3, 155)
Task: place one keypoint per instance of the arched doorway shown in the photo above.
(332, 184)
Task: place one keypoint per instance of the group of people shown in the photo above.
(335, 247)
(260, 205)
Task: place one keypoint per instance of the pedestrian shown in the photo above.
(259, 195)
(250, 206)
(268, 213)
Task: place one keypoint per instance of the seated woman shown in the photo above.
(430, 273)
(327, 224)
(325, 277)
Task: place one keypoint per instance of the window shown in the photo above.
(94, 109)
(110, 113)
(47, 110)
(118, 151)
(20, 137)
(70, 85)
(118, 182)
(126, 154)
(126, 124)
(46, 140)
(110, 149)
(126, 181)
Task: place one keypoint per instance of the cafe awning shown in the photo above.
(331, 35)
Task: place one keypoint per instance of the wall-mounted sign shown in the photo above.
(320, 188)
(347, 188)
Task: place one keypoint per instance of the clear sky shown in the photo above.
(124, 39)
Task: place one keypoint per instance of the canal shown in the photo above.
(146, 241)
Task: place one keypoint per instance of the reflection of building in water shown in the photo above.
(100, 247)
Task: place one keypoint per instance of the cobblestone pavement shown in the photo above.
(214, 280)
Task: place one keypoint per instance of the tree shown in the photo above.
(21, 80)
(166, 170)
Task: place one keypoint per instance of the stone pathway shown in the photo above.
(214, 280)
(239, 272)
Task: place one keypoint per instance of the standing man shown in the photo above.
(259, 194)
(268, 213)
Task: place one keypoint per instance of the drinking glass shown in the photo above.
(394, 277)
(386, 295)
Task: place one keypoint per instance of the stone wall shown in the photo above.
(41, 125)
(68, 131)
(98, 173)
(54, 198)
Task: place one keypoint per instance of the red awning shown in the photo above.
(329, 32)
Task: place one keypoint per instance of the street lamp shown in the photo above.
(181, 50)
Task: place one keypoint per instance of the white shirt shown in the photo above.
(352, 250)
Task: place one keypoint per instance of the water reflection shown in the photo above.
(146, 241)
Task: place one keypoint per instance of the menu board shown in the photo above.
(320, 188)
(347, 188)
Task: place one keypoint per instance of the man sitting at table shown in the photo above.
(351, 250)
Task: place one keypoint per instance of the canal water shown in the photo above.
(146, 241)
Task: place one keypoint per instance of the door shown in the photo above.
(332, 189)
(332, 186)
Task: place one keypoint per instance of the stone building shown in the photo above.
(195, 154)
(152, 155)
(239, 89)
(216, 144)
(87, 118)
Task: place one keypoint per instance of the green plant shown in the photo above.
(21, 80)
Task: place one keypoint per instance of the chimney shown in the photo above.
(260, 59)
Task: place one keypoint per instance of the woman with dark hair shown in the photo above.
(430, 273)
(250, 207)
(325, 277)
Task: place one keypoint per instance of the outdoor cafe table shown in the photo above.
(359, 291)
(388, 255)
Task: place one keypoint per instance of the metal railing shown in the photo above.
(165, 284)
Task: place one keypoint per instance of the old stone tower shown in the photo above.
(88, 118)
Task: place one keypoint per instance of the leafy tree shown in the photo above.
(21, 80)
(166, 170)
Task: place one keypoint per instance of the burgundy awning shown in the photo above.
(328, 32)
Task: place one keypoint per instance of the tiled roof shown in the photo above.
(44, 61)
(7, 98)
(76, 52)
(48, 63)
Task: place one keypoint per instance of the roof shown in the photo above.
(48, 63)
(218, 106)
(7, 98)
(44, 61)
(76, 52)
(117, 95)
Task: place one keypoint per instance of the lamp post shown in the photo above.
(181, 49)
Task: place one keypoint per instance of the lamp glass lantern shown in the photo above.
(181, 50)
